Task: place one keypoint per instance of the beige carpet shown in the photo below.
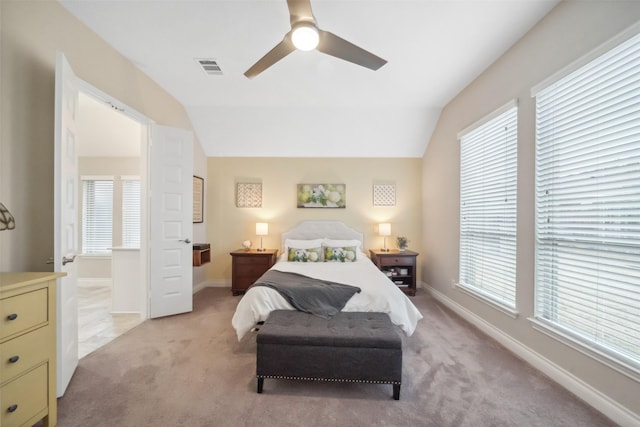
(189, 370)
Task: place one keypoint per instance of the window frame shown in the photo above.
(125, 211)
(508, 227)
(574, 338)
(86, 222)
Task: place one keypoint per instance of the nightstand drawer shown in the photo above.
(23, 353)
(254, 271)
(25, 397)
(258, 261)
(23, 311)
(386, 261)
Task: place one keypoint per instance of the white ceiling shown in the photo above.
(311, 104)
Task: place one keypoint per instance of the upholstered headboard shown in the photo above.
(308, 230)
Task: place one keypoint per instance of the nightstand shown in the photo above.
(398, 266)
(248, 265)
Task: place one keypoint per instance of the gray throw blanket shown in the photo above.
(314, 296)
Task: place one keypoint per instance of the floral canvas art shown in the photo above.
(322, 196)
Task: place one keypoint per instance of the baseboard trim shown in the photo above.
(211, 284)
(564, 378)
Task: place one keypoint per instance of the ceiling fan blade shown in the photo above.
(340, 48)
(300, 10)
(282, 49)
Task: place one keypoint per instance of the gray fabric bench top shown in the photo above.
(349, 347)
(345, 329)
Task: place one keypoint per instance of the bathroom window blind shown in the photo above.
(131, 213)
(97, 215)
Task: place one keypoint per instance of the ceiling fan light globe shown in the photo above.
(305, 37)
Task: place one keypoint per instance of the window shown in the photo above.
(130, 213)
(97, 217)
(488, 167)
(588, 206)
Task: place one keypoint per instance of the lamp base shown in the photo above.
(384, 249)
(261, 249)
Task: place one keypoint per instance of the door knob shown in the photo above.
(66, 260)
(187, 240)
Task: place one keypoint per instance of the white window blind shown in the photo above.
(131, 213)
(97, 217)
(488, 167)
(588, 204)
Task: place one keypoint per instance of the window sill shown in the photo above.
(95, 256)
(626, 367)
(509, 311)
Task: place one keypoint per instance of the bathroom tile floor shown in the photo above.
(96, 324)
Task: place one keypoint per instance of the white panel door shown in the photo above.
(65, 220)
(171, 221)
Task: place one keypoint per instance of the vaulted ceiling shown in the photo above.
(310, 104)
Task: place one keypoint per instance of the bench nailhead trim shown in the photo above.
(284, 377)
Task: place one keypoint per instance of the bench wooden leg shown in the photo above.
(261, 383)
(396, 391)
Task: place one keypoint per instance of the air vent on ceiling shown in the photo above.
(210, 66)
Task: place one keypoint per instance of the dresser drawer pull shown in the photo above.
(14, 359)
(12, 408)
(12, 316)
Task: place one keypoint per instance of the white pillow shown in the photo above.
(342, 243)
(302, 244)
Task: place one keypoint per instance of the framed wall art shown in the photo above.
(384, 195)
(198, 199)
(249, 195)
(322, 196)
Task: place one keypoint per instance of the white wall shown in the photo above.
(30, 34)
(570, 31)
(200, 229)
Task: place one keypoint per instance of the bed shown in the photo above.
(376, 294)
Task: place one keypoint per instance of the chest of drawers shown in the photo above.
(28, 348)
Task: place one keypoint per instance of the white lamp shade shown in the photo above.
(384, 229)
(305, 36)
(262, 228)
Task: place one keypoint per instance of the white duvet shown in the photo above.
(377, 294)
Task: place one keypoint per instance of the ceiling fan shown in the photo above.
(305, 35)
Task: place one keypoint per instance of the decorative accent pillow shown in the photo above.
(302, 244)
(334, 243)
(340, 254)
(305, 255)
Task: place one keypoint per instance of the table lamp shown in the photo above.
(384, 230)
(262, 229)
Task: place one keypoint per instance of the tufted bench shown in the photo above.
(350, 347)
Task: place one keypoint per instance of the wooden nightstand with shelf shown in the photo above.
(201, 254)
(398, 266)
(248, 265)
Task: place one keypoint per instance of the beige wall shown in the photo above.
(30, 34)
(568, 32)
(229, 226)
